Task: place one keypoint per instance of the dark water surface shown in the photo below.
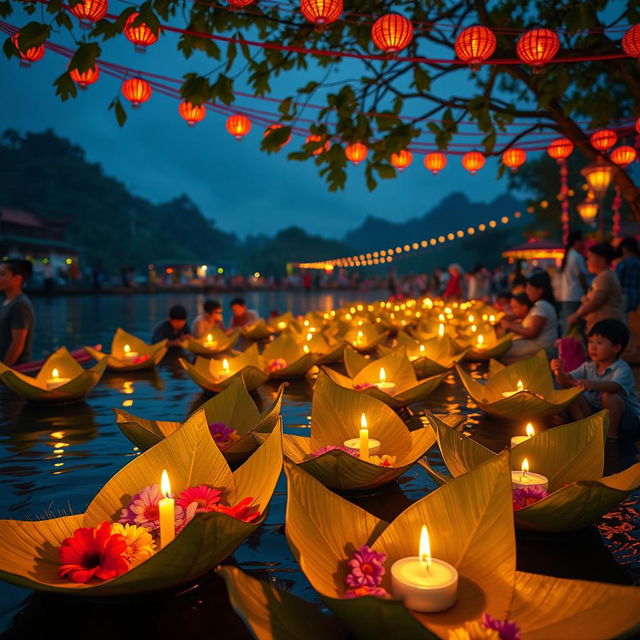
(55, 459)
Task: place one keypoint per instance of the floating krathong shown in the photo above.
(214, 342)
(130, 353)
(295, 361)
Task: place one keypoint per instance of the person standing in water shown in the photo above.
(16, 313)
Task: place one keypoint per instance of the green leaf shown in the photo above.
(65, 86)
(33, 34)
(5, 9)
(121, 114)
(85, 56)
(421, 79)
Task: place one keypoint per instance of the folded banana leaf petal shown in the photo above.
(219, 343)
(365, 338)
(493, 346)
(149, 355)
(259, 330)
(298, 362)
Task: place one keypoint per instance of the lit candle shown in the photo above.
(525, 478)
(474, 328)
(519, 388)
(480, 342)
(128, 354)
(282, 325)
(441, 330)
(363, 443)
(383, 385)
(226, 370)
(492, 318)
(425, 584)
(529, 430)
(55, 380)
(166, 511)
(470, 318)
(210, 342)
(359, 337)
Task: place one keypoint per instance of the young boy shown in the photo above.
(607, 380)
(174, 328)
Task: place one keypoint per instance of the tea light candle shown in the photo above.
(128, 354)
(519, 388)
(425, 584)
(55, 380)
(441, 330)
(480, 343)
(282, 325)
(529, 430)
(226, 371)
(210, 342)
(364, 444)
(166, 512)
(526, 478)
(383, 385)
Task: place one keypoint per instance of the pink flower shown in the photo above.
(507, 630)
(223, 435)
(526, 496)
(358, 592)
(362, 385)
(143, 510)
(275, 364)
(204, 497)
(140, 359)
(185, 516)
(366, 568)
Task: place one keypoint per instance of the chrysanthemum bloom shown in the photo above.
(366, 568)
(358, 592)
(204, 496)
(223, 435)
(143, 509)
(276, 364)
(383, 460)
(140, 544)
(241, 511)
(526, 496)
(473, 631)
(93, 553)
(507, 630)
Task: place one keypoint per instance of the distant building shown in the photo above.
(24, 234)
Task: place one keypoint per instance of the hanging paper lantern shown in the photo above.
(435, 162)
(603, 139)
(85, 78)
(136, 90)
(141, 35)
(321, 12)
(624, 156)
(356, 152)
(537, 47)
(402, 159)
(514, 158)
(192, 113)
(475, 45)
(239, 4)
(560, 149)
(588, 210)
(89, 11)
(273, 127)
(638, 125)
(473, 161)
(315, 138)
(631, 42)
(238, 125)
(32, 54)
(392, 33)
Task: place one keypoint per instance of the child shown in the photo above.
(607, 380)
(174, 329)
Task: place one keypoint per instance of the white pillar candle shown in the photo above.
(525, 478)
(529, 430)
(363, 443)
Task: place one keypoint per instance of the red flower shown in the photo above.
(93, 552)
(241, 511)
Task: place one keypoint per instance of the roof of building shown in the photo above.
(28, 218)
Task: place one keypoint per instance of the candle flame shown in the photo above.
(305, 348)
(126, 348)
(492, 318)
(520, 385)
(383, 375)
(441, 317)
(360, 335)
(473, 328)
(421, 348)
(525, 467)
(530, 431)
(441, 330)
(470, 318)
(363, 421)
(209, 337)
(425, 548)
(165, 487)
(480, 340)
(225, 365)
(309, 336)
(55, 373)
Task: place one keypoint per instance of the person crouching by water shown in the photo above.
(16, 313)
(241, 315)
(210, 317)
(174, 329)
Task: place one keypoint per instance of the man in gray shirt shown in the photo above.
(16, 313)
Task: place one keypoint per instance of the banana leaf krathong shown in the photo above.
(294, 361)
(258, 330)
(124, 345)
(484, 346)
(216, 341)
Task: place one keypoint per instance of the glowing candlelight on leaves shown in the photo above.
(441, 317)
(166, 511)
(441, 330)
(128, 354)
(282, 325)
(474, 328)
(492, 318)
(210, 342)
(529, 430)
(55, 380)
(526, 478)
(383, 385)
(363, 443)
(480, 342)
(423, 582)
(525, 468)
(519, 388)
(470, 318)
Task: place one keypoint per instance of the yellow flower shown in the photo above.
(383, 461)
(473, 631)
(140, 544)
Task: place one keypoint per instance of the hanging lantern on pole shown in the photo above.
(89, 11)
(514, 158)
(560, 149)
(588, 209)
(475, 45)
(435, 162)
(238, 125)
(32, 54)
(356, 152)
(136, 90)
(473, 161)
(392, 33)
(538, 47)
(624, 156)
(402, 159)
(603, 139)
(321, 12)
(140, 34)
(598, 175)
(192, 113)
(85, 78)
(631, 42)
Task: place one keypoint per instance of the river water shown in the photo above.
(55, 459)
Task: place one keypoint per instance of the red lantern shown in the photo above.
(136, 90)
(89, 11)
(315, 138)
(273, 127)
(402, 159)
(321, 12)
(392, 33)
(32, 54)
(238, 125)
(356, 152)
(623, 156)
(631, 42)
(141, 35)
(192, 113)
(475, 45)
(514, 158)
(435, 162)
(560, 149)
(85, 78)
(239, 4)
(537, 47)
(638, 125)
(473, 161)
(603, 139)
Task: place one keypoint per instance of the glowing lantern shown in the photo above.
(141, 35)
(603, 139)
(192, 113)
(85, 78)
(537, 47)
(32, 54)
(356, 152)
(623, 156)
(638, 125)
(560, 149)
(238, 125)
(631, 42)
(435, 162)
(474, 45)
(473, 161)
(392, 33)
(402, 159)
(588, 210)
(239, 4)
(89, 11)
(514, 158)
(136, 90)
(321, 12)
(315, 138)
(598, 176)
